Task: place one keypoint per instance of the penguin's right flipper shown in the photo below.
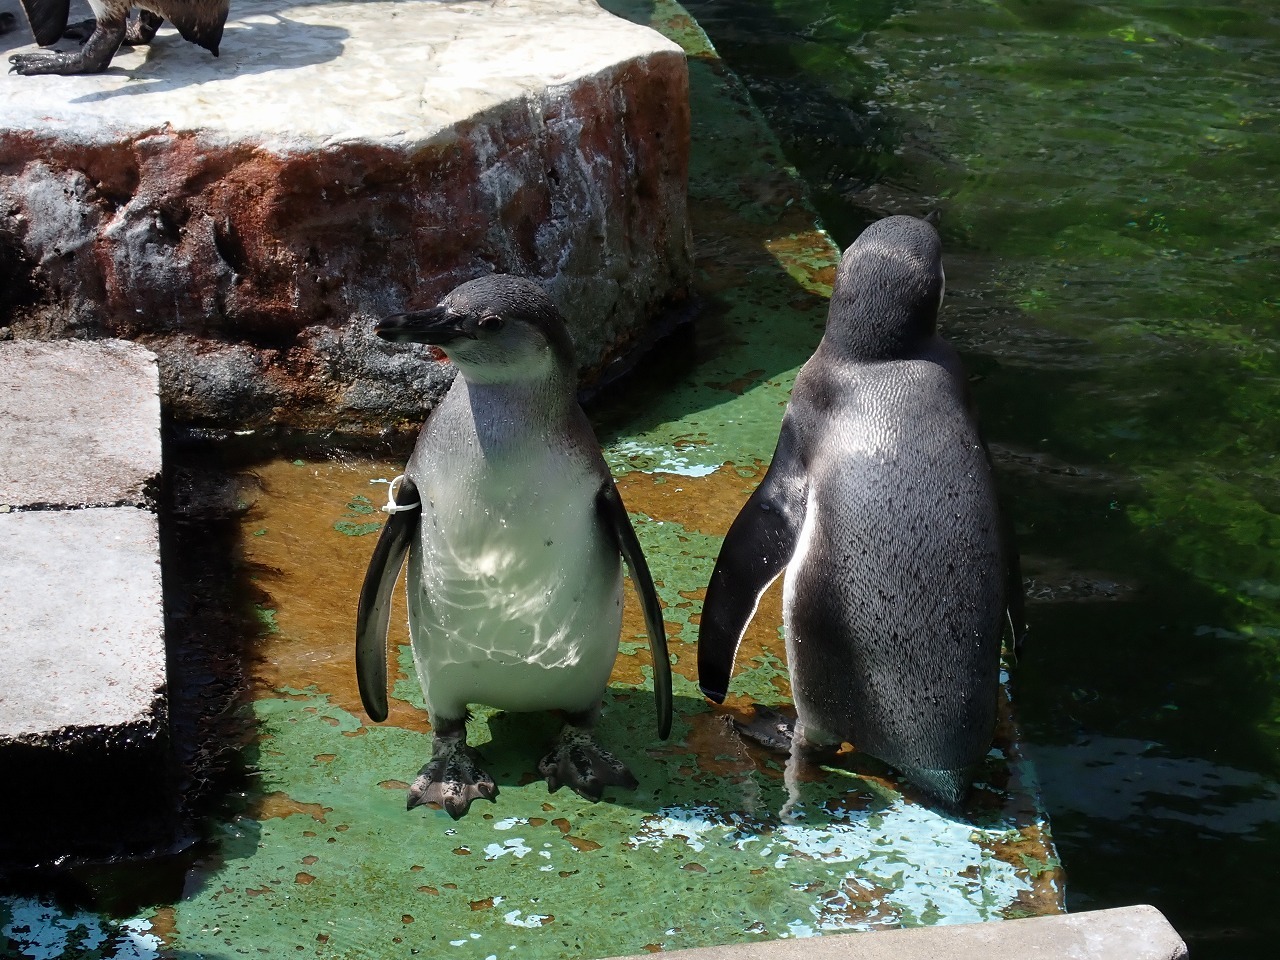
(611, 510)
(1015, 603)
(758, 547)
(48, 19)
(374, 613)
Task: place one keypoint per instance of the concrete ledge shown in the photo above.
(79, 424)
(84, 740)
(1126, 933)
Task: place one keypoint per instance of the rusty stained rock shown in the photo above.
(255, 275)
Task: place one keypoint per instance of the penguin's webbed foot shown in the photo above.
(453, 779)
(578, 762)
(767, 727)
(94, 57)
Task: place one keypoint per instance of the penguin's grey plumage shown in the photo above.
(880, 505)
(199, 21)
(515, 553)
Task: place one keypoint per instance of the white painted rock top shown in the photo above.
(82, 629)
(394, 73)
(79, 423)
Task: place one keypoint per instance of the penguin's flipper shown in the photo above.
(1015, 603)
(614, 515)
(48, 19)
(200, 23)
(758, 547)
(374, 613)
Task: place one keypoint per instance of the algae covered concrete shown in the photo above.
(720, 843)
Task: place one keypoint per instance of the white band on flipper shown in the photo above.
(391, 505)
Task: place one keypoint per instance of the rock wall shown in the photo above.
(247, 217)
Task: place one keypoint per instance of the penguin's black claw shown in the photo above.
(452, 780)
(582, 765)
(769, 728)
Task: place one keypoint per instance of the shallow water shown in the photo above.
(1108, 180)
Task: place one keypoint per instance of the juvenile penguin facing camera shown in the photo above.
(880, 505)
(515, 548)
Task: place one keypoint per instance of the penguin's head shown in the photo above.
(496, 329)
(889, 286)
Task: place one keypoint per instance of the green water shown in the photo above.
(1108, 180)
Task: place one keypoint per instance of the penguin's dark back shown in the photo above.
(901, 573)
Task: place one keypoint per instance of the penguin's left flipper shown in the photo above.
(758, 547)
(374, 613)
(614, 515)
(48, 19)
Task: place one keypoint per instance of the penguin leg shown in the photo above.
(453, 778)
(580, 763)
(138, 30)
(142, 28)
(80, 31)
(772, 730)
(94, 57)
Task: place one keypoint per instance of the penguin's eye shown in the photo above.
(489, 322)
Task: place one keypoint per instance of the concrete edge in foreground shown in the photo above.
(1124, 933)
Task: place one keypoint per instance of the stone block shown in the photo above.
(83, 722)
(83, 628)
(79, 424)
(247, 216)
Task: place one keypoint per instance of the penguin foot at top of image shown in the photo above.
(515, 537)
(880, 505)
(199, 21)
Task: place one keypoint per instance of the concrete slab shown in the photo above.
(1125, 933)
(83, 625)
(83, 709)
(79, 424)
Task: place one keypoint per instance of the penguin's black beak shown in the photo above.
(437, 326)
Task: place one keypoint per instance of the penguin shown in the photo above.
(200, 21)
(881, 507)
(515, 549)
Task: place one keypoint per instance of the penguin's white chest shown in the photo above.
(515, 586)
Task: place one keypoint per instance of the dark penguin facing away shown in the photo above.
(200, 21)
(516, 536)
(880, 505)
